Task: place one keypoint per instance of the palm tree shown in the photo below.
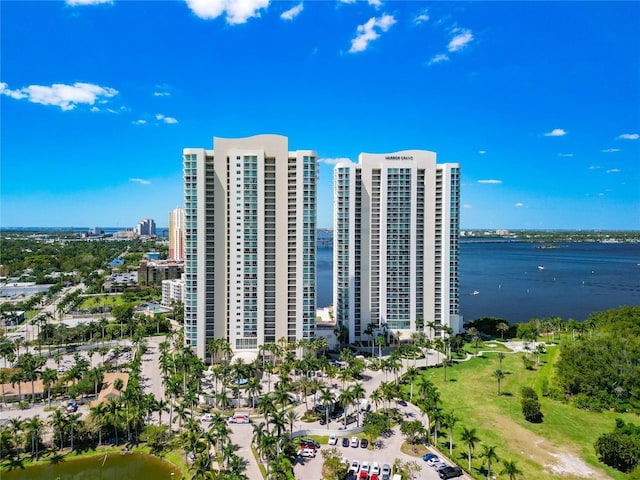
(511, 469)
(291, 417)
(73, 421)
(359, 393)
(489, 452)
(502, 327)
(450, 421)
(501, 356)
(326, 398)
(49, 377)
(33, 428)
(410, 375)
(499, 374)
(58, 422)
(470, 438)
(97, 412)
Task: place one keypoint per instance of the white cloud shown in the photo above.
(460, 40)
(67, 97)
(375, 3)
(491, 181)
(292, 12)
(334, 161)
(367, 32)
(594, 167)
(139, 122)
(161, 94)
(628, 136)
(482, 152)
(423, 17)
(565, 155)
(556, 132)
(165, 119)
(610, 150)
(441, 57)
(519, 204)
(613, 170)
(466, 205)
(141, 181)
(75, 3)
(237, 11)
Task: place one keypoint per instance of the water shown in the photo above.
(114, 467)
(577, 279)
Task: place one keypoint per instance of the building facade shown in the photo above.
(146, 228)
(395, 253)
(151, 273)
(173, 291)
(250, 243)
(176, 234)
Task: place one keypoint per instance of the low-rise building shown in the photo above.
(152, 273)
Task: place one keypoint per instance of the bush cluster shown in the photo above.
(531, 405)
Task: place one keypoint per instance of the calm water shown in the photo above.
(114, 467)
(577, 279)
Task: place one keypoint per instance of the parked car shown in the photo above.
(402, 402)
(438, 464)
(307, 452)
(355, 442)
(375, 468)
(450, 472)
(430, 456)
(345, 442)
(355, 466)
(333, 439)
(309, 441)
(386, 472)
(207, 417)
(337, 412)
(364, 443)
(365, 467)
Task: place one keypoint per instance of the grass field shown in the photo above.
(101, 301)
(560, 447)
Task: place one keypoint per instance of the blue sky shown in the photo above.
(539, 102)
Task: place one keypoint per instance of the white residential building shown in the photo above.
(250, 219)
(395, 254)
(176, 234)
(173, 290)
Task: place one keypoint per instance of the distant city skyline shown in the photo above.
(539, 102)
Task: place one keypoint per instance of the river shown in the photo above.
(518, 281)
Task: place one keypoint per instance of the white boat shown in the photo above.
(540, 267)
(475, 292)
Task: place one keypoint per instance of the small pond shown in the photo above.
(116, 466)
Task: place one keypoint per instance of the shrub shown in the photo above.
(531, 405)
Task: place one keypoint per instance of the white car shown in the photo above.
(355, 466)
(307, 452)
(365, 467)
(333, 439)
(355, 442)
(375, 468)
(438, 464)
(207, 417)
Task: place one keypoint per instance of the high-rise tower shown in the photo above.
(176, 234)
(395, 254)
(250, 219)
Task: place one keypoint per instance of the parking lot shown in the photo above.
(388, 452)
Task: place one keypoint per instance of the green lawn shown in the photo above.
(471, 392)
(101, 301)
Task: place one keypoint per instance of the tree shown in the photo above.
(511, 469)
(412, 431)
(499, 375)
(49, 377)
(502, 327)
(470, 438)
(501, 356)
(489, 454)
(34, 428)
(531, 405)
(450, 421)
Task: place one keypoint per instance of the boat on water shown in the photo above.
(540, 267)
(475, 292)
